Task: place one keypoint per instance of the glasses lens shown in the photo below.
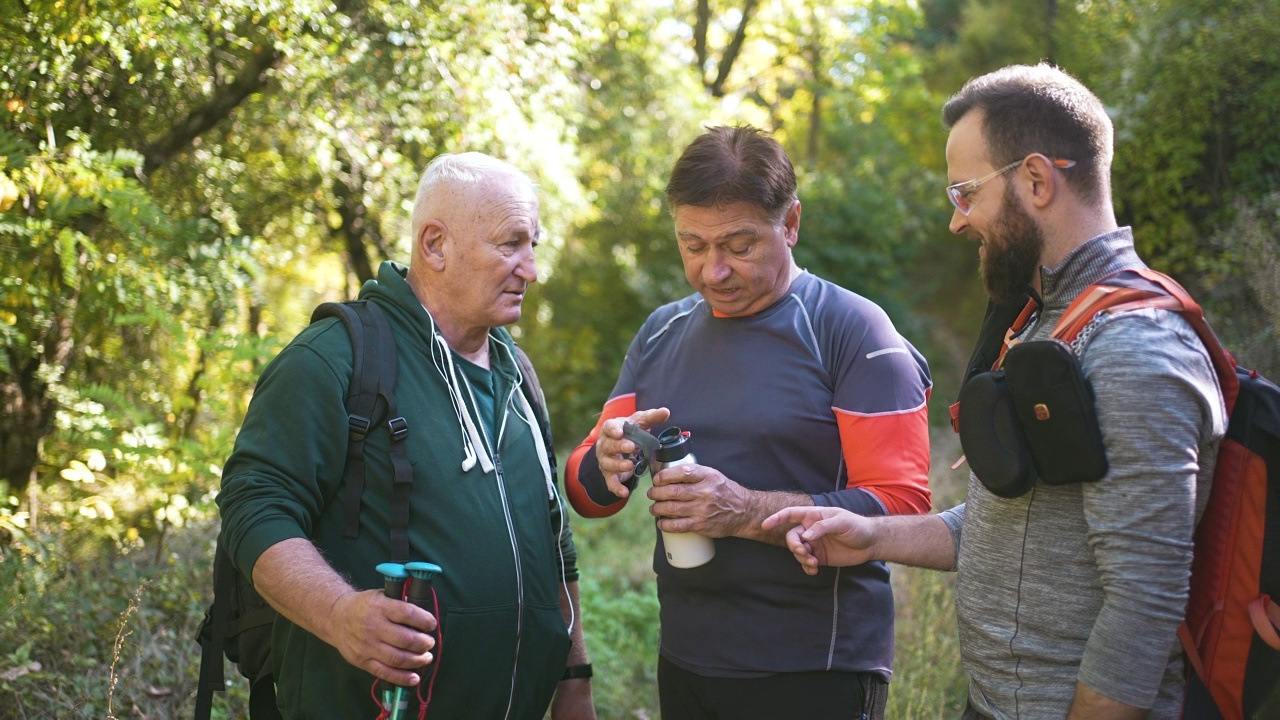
(959, 200)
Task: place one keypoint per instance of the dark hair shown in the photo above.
(1041, 109)
(733, 164)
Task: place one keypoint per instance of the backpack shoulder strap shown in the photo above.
(374, 374)
(1139, 288)
(531, 389)
(213, 633)
(999, 326)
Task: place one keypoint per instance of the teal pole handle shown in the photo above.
(394, 699)
(393, 577)
(420, 576)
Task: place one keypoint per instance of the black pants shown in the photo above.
(812, 695)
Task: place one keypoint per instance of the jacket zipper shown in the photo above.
(515, 551)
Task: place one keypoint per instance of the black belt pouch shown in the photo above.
(1035, 417)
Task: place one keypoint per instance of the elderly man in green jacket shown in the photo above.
(483, 504)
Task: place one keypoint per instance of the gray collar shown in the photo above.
(1090, 262)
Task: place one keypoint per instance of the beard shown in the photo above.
(1013, 249)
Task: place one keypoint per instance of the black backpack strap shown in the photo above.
(262, 700)
(213, 633)
(998, 319)
(374, 373)
(381, 349)
(362, 397)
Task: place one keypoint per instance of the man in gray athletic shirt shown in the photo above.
(796, 392)
(1068, 598)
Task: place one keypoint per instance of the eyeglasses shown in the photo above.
(961, 192)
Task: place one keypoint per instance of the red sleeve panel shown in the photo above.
(581, 471)
(887, 455)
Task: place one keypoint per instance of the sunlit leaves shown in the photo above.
(1197, 116)
(181, 270)
(78, 472)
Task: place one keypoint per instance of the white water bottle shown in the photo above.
(687, 549)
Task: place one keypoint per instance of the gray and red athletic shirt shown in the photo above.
(818, 394)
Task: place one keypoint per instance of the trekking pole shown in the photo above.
(422, 593)
(395, 700)
(411, 583)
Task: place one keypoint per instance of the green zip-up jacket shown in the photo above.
(495, 534)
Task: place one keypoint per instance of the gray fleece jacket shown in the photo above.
(1089, 582)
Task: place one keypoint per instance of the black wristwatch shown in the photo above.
(574, 672)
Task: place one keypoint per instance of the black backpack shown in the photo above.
(238, 623)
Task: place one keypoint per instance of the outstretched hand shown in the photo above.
(612, 449)
(825, 536)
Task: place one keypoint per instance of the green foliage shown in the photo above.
(96, 253)
(178, 190)
(1196, 126)
(1243, 301)
(618, 261)
(988, 34)
(868, 205)
(103, 637)
(618, 594)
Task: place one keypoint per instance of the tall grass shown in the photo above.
(928, 681)
(105, 636)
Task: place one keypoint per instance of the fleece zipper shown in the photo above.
(500, 479)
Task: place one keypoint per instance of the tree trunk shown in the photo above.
(702, 22)
(191, 417)
(731, 53)
(27, 416)
(28, 408)
(815, 112)
(356, 223)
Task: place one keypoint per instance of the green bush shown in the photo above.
(109, 637)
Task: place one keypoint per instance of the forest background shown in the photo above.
(181, 182)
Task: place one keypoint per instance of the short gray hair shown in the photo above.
(468, 169)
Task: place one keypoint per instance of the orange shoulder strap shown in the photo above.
(1111, 295)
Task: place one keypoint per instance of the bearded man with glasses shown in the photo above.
(1068, 597)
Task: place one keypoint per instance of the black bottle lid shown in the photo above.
(673, 444)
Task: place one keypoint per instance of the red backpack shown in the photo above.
(1230, 629)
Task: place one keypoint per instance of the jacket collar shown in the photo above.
(1093, 260)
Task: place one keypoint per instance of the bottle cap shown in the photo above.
(673, 444)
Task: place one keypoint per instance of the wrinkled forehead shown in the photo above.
(726, 217)
(505, 193)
